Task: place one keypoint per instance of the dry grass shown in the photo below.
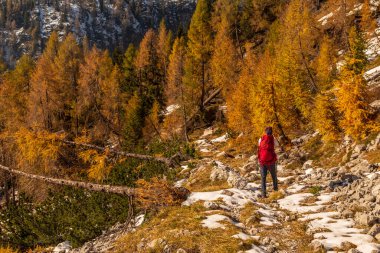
(7, 250)
(309, 201)
(323, 154)
(290, 235)
(373, 156)
(180, 227)
(249, 215)
(276, 195)
(272, 197)
(200, 181)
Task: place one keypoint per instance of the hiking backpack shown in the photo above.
(267, 154)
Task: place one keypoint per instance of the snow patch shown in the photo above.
(238, 198)
(222, 138)
(242, 236)
(372, 73)
(292, 203)
(340, 230)
(295, 188)
(212, 221)
(139, 220)
(171, 108)
(324, 19)
(179, 183)
(207, 132)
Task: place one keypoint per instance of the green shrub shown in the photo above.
(69, 214)
(315, 190)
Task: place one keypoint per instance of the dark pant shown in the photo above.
(264, 172)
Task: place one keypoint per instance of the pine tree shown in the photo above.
(98, 95)
(238, 105)
(224, 61)
(197, 66)
(129, 82)
(325, 64)
(146, 63)
(42, 85)
(294, 49)
(152, 123)
(351, 90)
(270, 99)
(14, 91)
(175, 91)
(325, 117)
(132, 122)
(163, 48)
(64, 91)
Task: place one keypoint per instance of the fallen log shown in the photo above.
(168, 161)
(122, 190)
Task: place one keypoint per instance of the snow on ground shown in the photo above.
(213, 221)
(309, 171)
(368, 247)
(292, 203)
(171, 108)
(339, 231)
(314, 216)
(180, 182)
(253, 186)
(375, 104)
(325, 198)
(268, 217)
(357, 8)
(207, 132)
(202, 143)
(372, 73)
(324, 226)
(222, 138)
(324, 19)
(372, 175)
(243, 236)
(295, 188)
(238, 198)
(139, 220)
(282, 179)
(256, 249)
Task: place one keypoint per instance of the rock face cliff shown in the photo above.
(26, 25)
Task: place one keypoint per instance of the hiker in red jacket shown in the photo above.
(267, 159)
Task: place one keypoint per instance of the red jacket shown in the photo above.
(266, 153)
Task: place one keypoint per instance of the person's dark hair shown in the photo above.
(268, 130)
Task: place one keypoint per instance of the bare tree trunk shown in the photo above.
(190, 121)
(314, 87)
(123, 190)
(277, 120)
(238, 41)
(203, 88)
(184, 113)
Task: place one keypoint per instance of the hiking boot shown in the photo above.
(262, 196)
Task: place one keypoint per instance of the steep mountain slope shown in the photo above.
(26, 25)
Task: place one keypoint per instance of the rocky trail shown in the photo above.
(316, 209)
(339, 206)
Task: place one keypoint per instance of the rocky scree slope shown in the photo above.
(26, 27)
